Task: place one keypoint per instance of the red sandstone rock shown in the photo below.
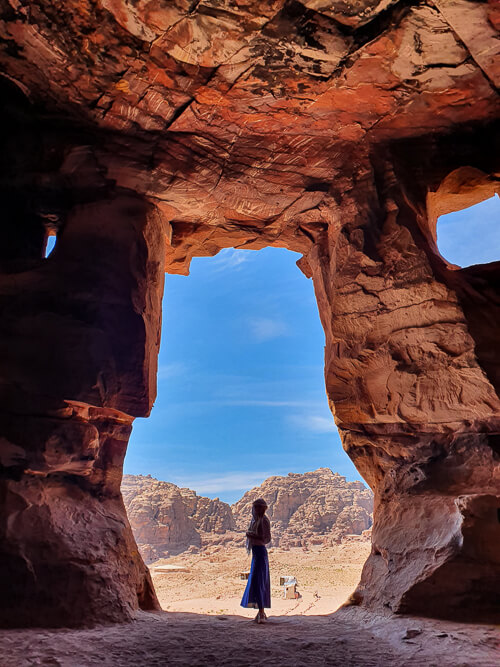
(148, 133)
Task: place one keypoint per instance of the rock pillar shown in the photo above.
(414, 399)
(79, 339)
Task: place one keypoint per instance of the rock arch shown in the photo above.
(152, 136)
(462, 188)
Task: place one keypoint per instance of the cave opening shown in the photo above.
(143, 172)
(242, 403)
(50, 244)
(471, 235)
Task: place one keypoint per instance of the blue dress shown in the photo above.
(257, 594)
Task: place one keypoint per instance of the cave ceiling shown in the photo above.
(260, 114)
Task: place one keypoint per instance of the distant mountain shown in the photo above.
(167, 519)
(318, 507)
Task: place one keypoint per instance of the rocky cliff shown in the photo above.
(317, 507)
(167, 519)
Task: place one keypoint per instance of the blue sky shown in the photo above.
(471, 236)
(240, 384)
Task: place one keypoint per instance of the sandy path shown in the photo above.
(218, 632)
(350, 638)
(308, 605)
(209, 582)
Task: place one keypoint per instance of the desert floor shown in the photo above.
(212, 585)
(203, 624)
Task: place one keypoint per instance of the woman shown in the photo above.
(258, 591)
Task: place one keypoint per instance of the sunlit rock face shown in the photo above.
(167, 520)
(318, 507)
(314, 508)
(146, 133)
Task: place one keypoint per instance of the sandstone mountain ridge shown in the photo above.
(167, 519)
(314, 508)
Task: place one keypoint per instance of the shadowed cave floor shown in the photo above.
(351, 637)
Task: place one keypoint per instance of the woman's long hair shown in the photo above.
(259, 508)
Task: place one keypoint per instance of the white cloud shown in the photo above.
(229, 258)
(231, 481)
(174, 369)
(471, 235)
(314, 423)
(266, 328)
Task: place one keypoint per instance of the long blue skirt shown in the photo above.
(258, 591)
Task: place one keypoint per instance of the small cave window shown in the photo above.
(472, 235)
(49, 245)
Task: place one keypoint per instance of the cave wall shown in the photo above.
(145, 133)
(416, 407)
(79, 342)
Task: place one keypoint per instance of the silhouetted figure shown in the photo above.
(258, 591)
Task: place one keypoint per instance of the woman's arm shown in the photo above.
(256, 532)
(262, 531)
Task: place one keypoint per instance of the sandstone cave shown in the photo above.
(143, 134)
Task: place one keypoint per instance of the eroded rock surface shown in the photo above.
(166, 519)
(318, 507)
(146, 133)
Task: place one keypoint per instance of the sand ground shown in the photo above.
(217, 632)
(349, 638)
(212, 585)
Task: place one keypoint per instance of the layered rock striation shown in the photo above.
(318, 507)
(313, 508)
(166, 519)
(145, 133)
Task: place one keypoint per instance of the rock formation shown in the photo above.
(166, 519)
(317, 507)
(145, 133)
